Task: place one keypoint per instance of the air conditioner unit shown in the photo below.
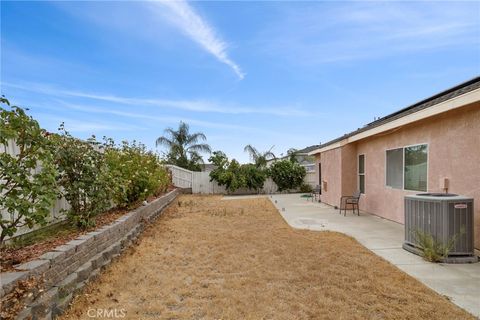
(444, 216)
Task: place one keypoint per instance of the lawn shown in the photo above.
(208, 258)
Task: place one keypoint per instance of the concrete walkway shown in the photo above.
(459, 282)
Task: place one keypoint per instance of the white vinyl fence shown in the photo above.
(181, 177)
(200, 183)
(311, 178)
(55, 213)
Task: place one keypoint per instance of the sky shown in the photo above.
(265, 73)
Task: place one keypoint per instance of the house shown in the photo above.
(208, 167)
(430, 146)
(308, 162)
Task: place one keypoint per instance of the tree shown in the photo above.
(184, 149)
(234, 176)
(259, 158)
(28, 188)
(287, 175)
(254, 177)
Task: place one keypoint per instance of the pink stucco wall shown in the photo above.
(349, 169)
(453, 140)
(339, 168)
(331, 176)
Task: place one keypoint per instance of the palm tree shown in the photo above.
(259, 158)
(184, 149)
(292, 154)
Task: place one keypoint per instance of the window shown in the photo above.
(361, 173)
(415, 171)
(406, 168)
(395, 168)
(309, 167)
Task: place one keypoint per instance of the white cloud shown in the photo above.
(86, 126)
(352, 31)
(199, 30)
(150, 118)
(146, 20)
(76, 125)
(190, 105)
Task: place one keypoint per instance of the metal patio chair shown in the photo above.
(345, 201)
(316, 193)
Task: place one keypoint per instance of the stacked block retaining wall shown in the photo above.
(65, 270)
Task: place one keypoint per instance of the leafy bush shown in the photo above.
(91, 176)
(226, 173)
(287, 174)
(84, 178)
(233, 175)
(254, 176)
(306, 188)
(136, 173)
(28, 189)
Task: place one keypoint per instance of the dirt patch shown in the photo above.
(211, 259)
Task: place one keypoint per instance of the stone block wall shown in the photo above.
(64, 271)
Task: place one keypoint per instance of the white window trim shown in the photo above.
(403, 165)
(364, 171)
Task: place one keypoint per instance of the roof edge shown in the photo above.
(459, 90)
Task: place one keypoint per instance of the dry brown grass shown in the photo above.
(211, 259)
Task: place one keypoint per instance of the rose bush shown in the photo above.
(136, 172)
(27, 178)
(84, 177)
(90, 175)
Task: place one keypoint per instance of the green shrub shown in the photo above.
(287, 175)
(232, 178)
(306, 188)
(84, 178)
(432, 249)
(254, 176)
(91, 176)
(136, 173)
(28, 189)
(233, 175)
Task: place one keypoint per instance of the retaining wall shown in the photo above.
(65, 270)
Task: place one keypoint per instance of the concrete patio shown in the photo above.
(459, 282)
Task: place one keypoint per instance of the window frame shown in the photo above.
(403, 177)
(362, 174)
(403, 166)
